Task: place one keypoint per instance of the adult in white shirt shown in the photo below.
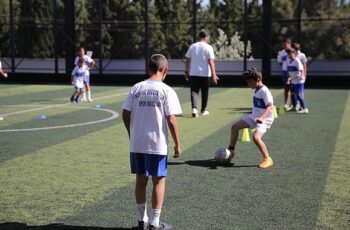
(199, 70)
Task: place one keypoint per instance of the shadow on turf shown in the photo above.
(238, 110)
(211, 164)
(21, 226)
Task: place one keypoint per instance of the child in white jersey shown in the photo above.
(78, 78)
(88, 63)
(302, 57)
(282, 60)
(295, 71)
(261, 117)
(150, 107)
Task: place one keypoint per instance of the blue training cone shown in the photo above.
(42, 117)
(97, 106)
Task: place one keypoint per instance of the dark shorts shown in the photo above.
(149, 164)
(78, 89)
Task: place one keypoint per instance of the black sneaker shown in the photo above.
(162, 226)
(71, 99)
(142, 225)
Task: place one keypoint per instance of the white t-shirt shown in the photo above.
(282, 59)
(87, 61)
(150, 102)
(261, 98)
(78, 76)
(295, 68)
(200, 53)
(302, 57)
(0, 65)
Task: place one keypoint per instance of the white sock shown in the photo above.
(142, 212)
(155, 217)
(84, 96)
(89, 95)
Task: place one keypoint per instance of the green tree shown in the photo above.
(5, 25)
(35, 33)
(175, 29)
(83, 23)
(333, 40)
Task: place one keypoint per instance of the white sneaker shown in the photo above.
(194, 112)
(306, 111)
(83, 99)
(205, 113)
(90, 100)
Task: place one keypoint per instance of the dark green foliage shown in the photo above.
(122, 34)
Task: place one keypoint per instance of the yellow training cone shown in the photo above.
(245, 135)
(281, 110)
(275, 112)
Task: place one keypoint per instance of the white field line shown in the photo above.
(113, 116)
(54, 106)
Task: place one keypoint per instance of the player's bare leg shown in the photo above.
(140, 195)
(157, 199)
(267, 161)
(235, 131)
(88, 90)
(287, 94)
(140, 189)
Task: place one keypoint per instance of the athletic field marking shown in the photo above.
(54, 106)
(113, 116)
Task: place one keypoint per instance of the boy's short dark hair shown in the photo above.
(291, 50)
(288, 40)
(252, 74)
(296, 46)
(203, 34)
(157, 63)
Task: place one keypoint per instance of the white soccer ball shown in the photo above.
(223, 156)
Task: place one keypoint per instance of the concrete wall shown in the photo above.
(176, 67)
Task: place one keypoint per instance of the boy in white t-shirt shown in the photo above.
(78, 77)
(295, 71)
(282, 60)
(261, 117)
(302, 57)
(88, 63)
(149, 109)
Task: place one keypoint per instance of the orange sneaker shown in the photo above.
(266, 163)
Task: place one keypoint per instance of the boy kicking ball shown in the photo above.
(150, 107)
(261, 117)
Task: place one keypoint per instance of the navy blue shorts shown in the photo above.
(149, 164)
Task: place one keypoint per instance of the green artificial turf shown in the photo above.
(80, 176)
